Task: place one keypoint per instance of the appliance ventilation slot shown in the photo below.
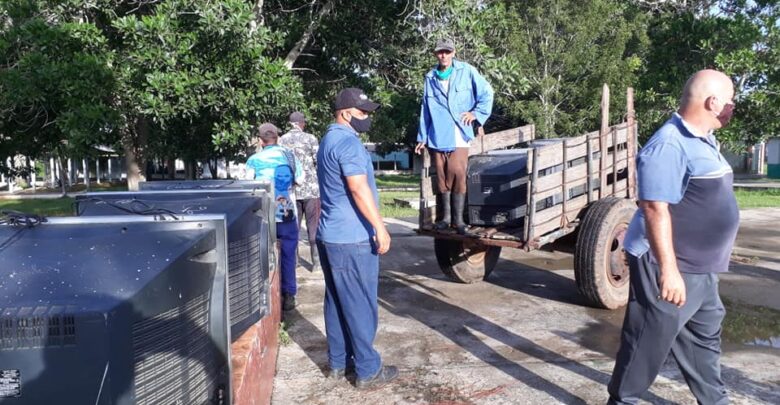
(175, 360)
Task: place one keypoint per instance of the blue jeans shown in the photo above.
(287, 234)
(351, 273)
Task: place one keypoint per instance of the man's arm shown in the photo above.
(364, 200)
(484, 96)
(658, 223)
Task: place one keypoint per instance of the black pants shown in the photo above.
(654, 327)
(311, 208)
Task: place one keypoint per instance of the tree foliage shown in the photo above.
(187, 78)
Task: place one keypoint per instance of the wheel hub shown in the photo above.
(618, 272)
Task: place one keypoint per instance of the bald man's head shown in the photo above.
(708, 98)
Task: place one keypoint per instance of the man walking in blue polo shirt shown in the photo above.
(677, 243)
(350, 237)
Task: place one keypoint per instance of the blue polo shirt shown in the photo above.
(690, 174)
(341, 155)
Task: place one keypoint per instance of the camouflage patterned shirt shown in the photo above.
(304, 146)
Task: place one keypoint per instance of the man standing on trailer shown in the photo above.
(454, 97)
(275, 163)
(305, 146)
(678, 241)
(351, 236)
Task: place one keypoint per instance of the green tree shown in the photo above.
(56, 86)
(197, 76)
(740, 38)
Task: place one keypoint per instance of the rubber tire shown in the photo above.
(592, 270)
(465, 265)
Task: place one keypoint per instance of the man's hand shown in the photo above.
(467, 118)
(418, 149)
(672, 286)
(382, 239)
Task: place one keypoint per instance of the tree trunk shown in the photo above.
(134, 144)
(213, 168)
(62, 172)
(171, 166)
(296, 51)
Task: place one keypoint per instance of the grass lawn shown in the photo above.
(758, 198)
(398, 180)
(48, 207)
(389, 209)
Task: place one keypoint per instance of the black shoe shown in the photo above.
(384, 376)
(336, 373)
(288, 302)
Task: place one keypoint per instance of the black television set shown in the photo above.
(249, 246)
(219, 184)
(115, 310)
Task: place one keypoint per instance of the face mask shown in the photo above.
(360, 126)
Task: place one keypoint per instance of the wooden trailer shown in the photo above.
(594, 189)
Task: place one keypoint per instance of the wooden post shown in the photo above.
(589, 162)
(110, 169)
(631, 142)
(614, 160)
(564, 188)
(531, 208)
(603, 140)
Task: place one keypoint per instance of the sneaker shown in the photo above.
(384, 376)
(288, 302)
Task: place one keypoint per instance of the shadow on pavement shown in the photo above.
(429, 310)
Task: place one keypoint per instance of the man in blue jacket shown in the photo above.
(455, 97)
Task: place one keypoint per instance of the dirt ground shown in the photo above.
(525, 336)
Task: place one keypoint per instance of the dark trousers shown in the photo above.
(451, 170)
(351, 314)
(287, 234)
(311, 208)
(654, 327)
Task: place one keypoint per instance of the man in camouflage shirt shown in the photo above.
(305, 147)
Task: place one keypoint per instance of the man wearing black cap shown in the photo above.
(275, 163)
(455, 97)
(304, 146)
(350, 238)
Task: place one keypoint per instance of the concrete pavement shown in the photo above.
(525, 336)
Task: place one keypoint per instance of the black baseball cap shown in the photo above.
(354, 98)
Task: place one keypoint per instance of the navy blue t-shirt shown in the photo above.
(341, 155)
(690, 174)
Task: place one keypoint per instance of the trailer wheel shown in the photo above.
(465, 262)
(600, 265)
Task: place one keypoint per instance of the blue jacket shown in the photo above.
(440, 111)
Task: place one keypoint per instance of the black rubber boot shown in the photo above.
(458, 205)
(315, 259)
(443, 210)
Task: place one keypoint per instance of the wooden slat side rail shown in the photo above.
(573, 209)
(549, 155)
(502, 139)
